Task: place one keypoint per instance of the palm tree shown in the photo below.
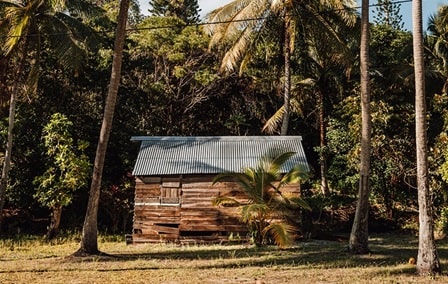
(427, 259)
(89, 240)
(438, 38)
(27, 25)
(263, 185)
(324, 66)
(359, 235)
(239, 24)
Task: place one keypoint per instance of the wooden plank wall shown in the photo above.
(159, 216)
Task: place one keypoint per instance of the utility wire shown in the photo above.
(264, 18)
(212, 23)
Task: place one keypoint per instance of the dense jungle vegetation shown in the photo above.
(173, 83)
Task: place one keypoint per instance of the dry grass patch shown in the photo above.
(33, 261)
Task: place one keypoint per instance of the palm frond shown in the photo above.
(254, 212)
(242, 178)
(85, 10)
(279, 160)
(237, 51)
(69, 52)
(241, 22)
(281, 233)
(273, 123)
(330, 26)
(223, 14)
(55, 5)
(225, 201)
(68, 40)
(295, 175)
(300, 202)
(78, 30)
(263, 189)
(244, 62)
(224, 20)
(18, 22)
(247, 180)
(277, 6)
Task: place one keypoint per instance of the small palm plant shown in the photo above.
(268, 213)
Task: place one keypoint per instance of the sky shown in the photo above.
(429, 8)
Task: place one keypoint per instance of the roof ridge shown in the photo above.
(221, 138)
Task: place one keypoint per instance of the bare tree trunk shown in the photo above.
(89, 240)
(427, 259)
(287, 83)
(11, 121)
(323, 152)
(53, 229)
(359, 236)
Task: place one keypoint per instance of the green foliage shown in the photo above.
(59, 23)
(440, 154)
(392, 174)
(392, 52)
(67, 167)
(187, 10)
(441, 223)
(391, 171)
(438, 39)
(343, 147)
(281, 233)
(181, 92)
(170, 87)
(268, 210)
(388, 14)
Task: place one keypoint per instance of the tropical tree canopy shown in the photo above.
(29, 25)
(238, 25)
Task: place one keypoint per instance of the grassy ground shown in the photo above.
(32, 261)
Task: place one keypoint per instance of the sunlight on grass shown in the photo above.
(35, 261)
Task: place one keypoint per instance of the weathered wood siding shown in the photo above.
(181, 210)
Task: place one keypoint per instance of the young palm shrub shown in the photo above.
(269, 213)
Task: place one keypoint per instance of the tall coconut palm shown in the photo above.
(238, 25)
(358, 242)
(27, 25)
(427, 259)
(323, 66)
(89, 240)
(263, 185)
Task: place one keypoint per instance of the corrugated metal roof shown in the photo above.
(173, 155)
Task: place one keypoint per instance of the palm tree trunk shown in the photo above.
(11, 121)
(427, 259)
(323, 153)
(89, 240)
(358, 242)
(287, 83)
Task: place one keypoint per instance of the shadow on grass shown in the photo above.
(387, 250)
(390, 253)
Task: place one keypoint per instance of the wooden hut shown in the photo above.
(174, 191)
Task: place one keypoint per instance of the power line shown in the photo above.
(264, 18)
(209, 23)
